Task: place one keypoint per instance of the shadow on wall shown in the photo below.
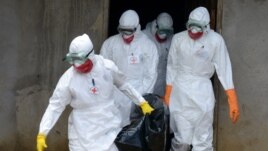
(30, 106)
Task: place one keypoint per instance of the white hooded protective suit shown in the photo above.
(95, 120)
(191, 64)
(137, 60)
(165, 21)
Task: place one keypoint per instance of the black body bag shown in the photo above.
(145, 133)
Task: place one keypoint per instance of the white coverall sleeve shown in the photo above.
(57, 103)
(120, 81)
(172, 64)
(222, 65)
(150, 71)
(106, 50)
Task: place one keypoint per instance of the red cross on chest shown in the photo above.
(94, 90)
(133, 60)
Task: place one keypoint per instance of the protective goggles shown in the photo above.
(167, 31)
(191, 24)
(76, 58)
(126, 31)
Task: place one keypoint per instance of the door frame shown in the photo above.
(217, 85)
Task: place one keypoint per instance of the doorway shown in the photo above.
(149, 9)
(179, 11)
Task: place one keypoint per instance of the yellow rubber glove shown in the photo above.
(167, 94)
(233, 105)
(146, 108)
(41, 142)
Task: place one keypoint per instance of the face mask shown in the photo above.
(166, 32)
(85, 67)
(80, 61)
(161, 38)
(195, 29)
(128, 38)
(195, 35)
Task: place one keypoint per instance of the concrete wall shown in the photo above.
(244, 28)
(35, 36)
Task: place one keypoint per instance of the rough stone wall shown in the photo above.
(35, 36)
(244, 28)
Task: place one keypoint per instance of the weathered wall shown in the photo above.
(35, 36)
(9, 38)
(244, 28)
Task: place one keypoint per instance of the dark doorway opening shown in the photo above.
(149, 9)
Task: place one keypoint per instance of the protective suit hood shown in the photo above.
(82, 44)
(81, 54)
(129, 19)
(198, 23)
(201, 15)
(164, 21)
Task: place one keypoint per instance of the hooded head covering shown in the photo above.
(200, 16)
(81, 53)
(81, 44)
(164, 21)
(129, 20)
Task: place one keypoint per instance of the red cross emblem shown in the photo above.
(94, 90)
(133, 60)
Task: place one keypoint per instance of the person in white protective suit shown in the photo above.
(160, 31)
(135, 55)
(88, 87)
(194, 56)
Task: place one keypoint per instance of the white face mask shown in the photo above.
(162, 36)
(127, 36)
(196, 30)
(77, 64)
